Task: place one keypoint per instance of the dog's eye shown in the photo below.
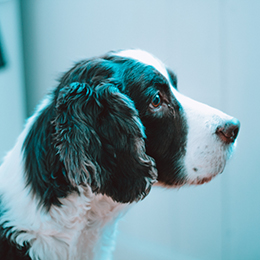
(156, 102)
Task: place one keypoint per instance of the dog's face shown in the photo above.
(118, 124)
(189, 141)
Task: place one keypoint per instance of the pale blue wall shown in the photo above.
(12, 98)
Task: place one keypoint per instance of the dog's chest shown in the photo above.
(90, 226)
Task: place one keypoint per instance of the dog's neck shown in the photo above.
(87, 224)
(83, 227)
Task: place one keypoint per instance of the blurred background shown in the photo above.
(214, 48)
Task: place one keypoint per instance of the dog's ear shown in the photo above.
(100, 140)
(75, 138)
(129, 172)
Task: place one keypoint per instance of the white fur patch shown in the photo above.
(206, 154)
(82, 228)
(146, 58)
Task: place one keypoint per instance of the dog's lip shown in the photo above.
(202, 180)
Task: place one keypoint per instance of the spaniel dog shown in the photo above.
(113, 127)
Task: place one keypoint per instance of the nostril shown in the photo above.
(229, 131)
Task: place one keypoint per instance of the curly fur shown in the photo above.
(113, 127)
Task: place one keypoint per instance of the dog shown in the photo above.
(113, 127)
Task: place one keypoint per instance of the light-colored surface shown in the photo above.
(12, 109)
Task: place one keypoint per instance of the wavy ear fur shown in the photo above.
(100, 139)
(75, 138)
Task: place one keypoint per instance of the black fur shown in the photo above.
(9, 250)
(100, 129)
(44, 171)
(96, 129)
(100, 140)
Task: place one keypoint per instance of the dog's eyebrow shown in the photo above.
(172, 77)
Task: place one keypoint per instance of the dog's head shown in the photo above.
(116, 121)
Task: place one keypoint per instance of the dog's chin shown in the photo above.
(196, 176)
(201, 180)
(201, 170)
(206, 176)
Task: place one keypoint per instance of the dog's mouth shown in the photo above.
(201, 180)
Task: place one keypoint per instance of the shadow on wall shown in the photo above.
(2, 59)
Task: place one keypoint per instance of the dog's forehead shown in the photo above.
(145, 58)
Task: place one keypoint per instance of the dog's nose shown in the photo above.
(229, 131)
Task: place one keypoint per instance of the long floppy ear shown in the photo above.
(100, 140)
(129, 172)
(75, 138)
